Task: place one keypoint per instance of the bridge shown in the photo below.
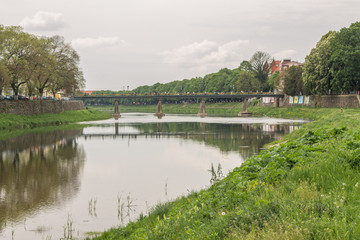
(203, 96)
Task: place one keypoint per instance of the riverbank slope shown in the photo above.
(304, 187)
(12, 121)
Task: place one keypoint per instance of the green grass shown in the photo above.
(305, 187)
(12, 121)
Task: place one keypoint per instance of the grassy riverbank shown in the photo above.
(12, 121)
(304, 187)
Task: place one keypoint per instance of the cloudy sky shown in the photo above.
(141, 42)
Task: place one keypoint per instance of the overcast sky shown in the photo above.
(141, 42)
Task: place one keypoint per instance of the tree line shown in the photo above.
(332, 67)
(37, 63)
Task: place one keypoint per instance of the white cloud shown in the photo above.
(44, 21)
(289, 53)
(96, 42)
(206, 53)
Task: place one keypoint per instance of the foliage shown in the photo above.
(245, 66)
(317, 76)
(248, 82)
(225, 80)
(38, 62)
(345, 59)
(293, 83)
(4, 76)
(222, 81)
(333, 66)
(260, 63)
(12, 121)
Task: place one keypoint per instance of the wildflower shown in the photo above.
(223, 213)
(344, 184)
(357, 184)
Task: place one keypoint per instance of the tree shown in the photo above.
(345, 59)
(260, 66)
(17, 52)
(38, 62)
(316, 73)
(293, 84)
(248, 82)
(4, 77)
(245, 66)
(46, 69)
(333, 66)
(67, 74)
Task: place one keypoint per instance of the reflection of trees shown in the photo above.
(45, 172)
(246, 139)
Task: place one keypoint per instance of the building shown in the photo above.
(278, 65)
(286, 63)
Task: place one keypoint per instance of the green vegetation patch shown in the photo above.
(12, 121)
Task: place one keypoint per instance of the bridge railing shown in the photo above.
(180, 95)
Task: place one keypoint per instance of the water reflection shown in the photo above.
(128, 167)
(37, 171)
(246, 139)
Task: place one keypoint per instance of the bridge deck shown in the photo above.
(245, 95)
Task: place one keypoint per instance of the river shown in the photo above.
(65, 183)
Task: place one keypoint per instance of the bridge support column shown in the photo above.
(244, 111)
(116, 128)
(159, 113)
(277, 102)
(116, 113)
(202, 112)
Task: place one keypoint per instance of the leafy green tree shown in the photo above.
(346, 60)
(4, 77)
(248, 82)
(68, 73)
(317, 76)
(333, 66)
(16, 54)
(245, 66)
(39, 62)
(293, 83)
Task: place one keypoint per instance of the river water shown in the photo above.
(65, 183)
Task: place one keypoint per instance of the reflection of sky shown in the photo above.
(142, 167)
(139, 167)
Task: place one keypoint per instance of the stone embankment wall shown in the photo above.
(330, 101)
(21, 107)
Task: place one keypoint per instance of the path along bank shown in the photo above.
(305, 186)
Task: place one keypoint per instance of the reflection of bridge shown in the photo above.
(150, 135)
(202, 96)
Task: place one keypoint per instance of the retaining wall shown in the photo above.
(329, 101)
(21, 107)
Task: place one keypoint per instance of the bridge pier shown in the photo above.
(116, 113)
(202, 112)
(277, 102)
(244, 111)
(159, 113)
